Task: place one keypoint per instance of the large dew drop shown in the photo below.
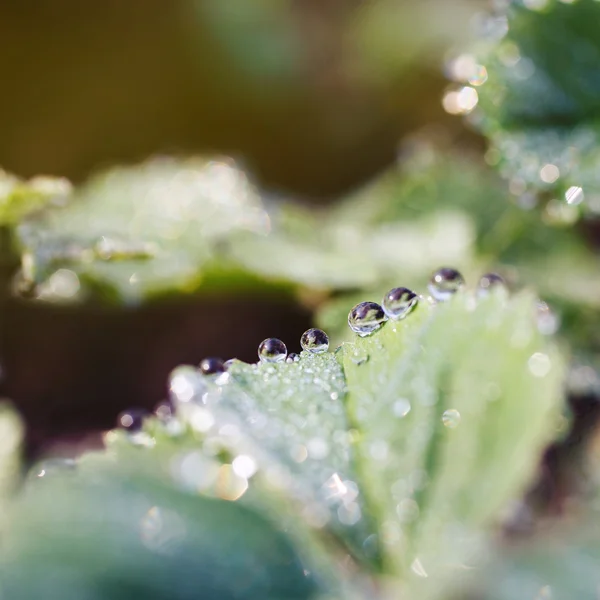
(451, 418)
(444, 283)
(272, 350)
(399, 302)
(488, 283)
(315, 341)
(366, 317)
(212, 366)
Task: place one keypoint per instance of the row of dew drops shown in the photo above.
(364, 319)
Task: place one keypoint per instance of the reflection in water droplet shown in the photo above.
(539, 364)
(401, 407)
(444, 283)
(451, 418)
(292, 357)
(272, 350)
(366, 317)
(574, 195)
(315, 341)
(212, 365)
(399, 302)
(488, 283)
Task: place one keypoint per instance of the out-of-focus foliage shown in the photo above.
(540, 103)
(368, 452)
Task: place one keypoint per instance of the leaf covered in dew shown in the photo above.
(369, 452)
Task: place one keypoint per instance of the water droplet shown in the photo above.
(349, 514)
(549, 173)
(229, 485)
(315, 341)
(132, 420)
(546, 319)
(574, 195)
(401, 407)
(292, 357)
(539, 364)
(272, 350)
(444, 283)
(212, 366)
(488, 283)
(366, 317)
(185, 383)
(244, 466)
(399, 302)
(53, 466)
(407, 510)
(164, 410)
(451, 418)
(359, 356)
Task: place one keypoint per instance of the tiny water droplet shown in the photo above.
(53, 466)
(401, 407)
(574, 195)
(132, 420)
(366, 317)
(315, 341)
(292, 357)
(451, 418)
(359, 356)
(272, 350)
(399, 302)
(212, 365)
(164, 410)
(539, 364)
(444, 283)
(488, 283)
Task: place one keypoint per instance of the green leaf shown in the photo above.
(375, 452)
(368, 453)
(101, 535)
(540, 104)
(18, 198)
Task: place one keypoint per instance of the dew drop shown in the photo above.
(315, 341)
(366, 317)
(401, 407)
(132, 420)
(359, 356)
(292, 357)
(546, 319)
(212, 366)
(272, 350)
(488, 283)
(444, 283)
(399, 302)
(574, 195)
(539, 364)
(451, 418)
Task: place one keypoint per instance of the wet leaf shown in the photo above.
(540, 103)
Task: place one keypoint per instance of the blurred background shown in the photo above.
(332, 105)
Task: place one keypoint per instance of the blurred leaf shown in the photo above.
(559, 565)
(540, 105)
(104, 536)
(18, 198)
